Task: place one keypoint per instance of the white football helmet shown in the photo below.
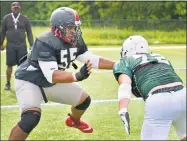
(133, 45)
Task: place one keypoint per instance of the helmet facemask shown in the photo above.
(123, 52)
(69, 36)
(65, 24)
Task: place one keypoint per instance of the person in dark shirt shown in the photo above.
(14, 26)
(42, 75)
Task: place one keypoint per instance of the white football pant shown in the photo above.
(29, 95)
(163, 110)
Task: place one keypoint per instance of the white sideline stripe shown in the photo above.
(58, 104)
(154, 48)
(106, 71)
(109, 71)
(119, 48)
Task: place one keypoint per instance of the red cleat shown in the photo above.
(81, 125)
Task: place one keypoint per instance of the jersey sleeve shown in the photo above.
(42, 52)
(122, 67)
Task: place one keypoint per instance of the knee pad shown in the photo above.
(29, 120)
(84, 105)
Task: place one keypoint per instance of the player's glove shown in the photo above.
(82, 74)
(124, 115)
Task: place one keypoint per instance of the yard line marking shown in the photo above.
(119, 48)
(58, 104)
(154, 48)
(109, 71)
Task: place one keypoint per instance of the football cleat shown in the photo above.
(7, 86)
(81, 125)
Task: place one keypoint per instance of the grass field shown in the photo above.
(114, 36)
(104, 118)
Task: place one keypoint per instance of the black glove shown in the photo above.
(82, 74)
(126, 121)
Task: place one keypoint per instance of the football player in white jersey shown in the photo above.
(152, 77)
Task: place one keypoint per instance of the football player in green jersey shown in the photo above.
(152, 77)
(43, 74)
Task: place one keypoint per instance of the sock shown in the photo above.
(74, 119)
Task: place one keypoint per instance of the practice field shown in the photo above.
(102, 116)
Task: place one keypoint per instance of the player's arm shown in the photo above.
(47, 61)
(98, 62)
(3, 32)
(124, 91)
(29, 32)
(124, 95)
(53, 75)
(105, 63)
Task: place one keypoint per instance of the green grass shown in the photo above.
(113, 36)
(103, 117)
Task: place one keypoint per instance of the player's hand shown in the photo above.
(2, 48)
(30, 48)
(124, 115)
(84, 71)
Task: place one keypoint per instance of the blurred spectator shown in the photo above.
(14, 26)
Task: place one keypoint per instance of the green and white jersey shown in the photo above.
(146, 72)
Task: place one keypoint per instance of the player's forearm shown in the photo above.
(2, 38)
(3, 32)
(124, 91)
(105, 63)
(123, 103)
(30, 38)
(29, 33)
(63, 77)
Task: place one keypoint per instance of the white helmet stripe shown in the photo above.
(77, 19)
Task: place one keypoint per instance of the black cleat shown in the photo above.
(7, 86)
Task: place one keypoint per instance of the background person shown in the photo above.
(14, 26)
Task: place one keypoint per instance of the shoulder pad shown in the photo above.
(49, 38)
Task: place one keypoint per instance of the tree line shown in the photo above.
(105, 10)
